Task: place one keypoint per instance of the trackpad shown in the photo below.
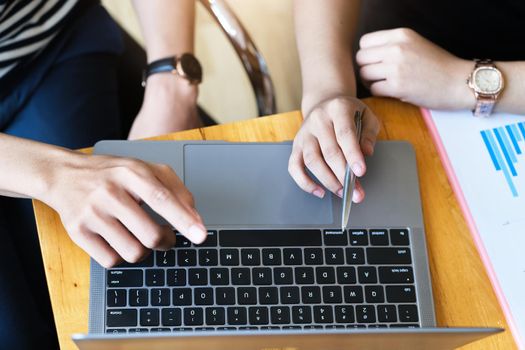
(249, 184)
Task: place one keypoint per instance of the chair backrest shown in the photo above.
(252, 60)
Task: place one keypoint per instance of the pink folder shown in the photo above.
(472, 226)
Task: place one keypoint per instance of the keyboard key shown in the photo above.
(203, 296)
(247, 296)
(250, 257)
(125, 278)
(166, 258)
(292, 256)
(138, 330)
(181, 296)
(229, 257)
(323, 314)
(346, 275)
(208, 257)
(365, 314)
(304, 275)
(280, 314)
(225, 295)
(335, 238)
(388, 256)
(332, 295)
(396, 274)
(155, 278)
(160, 329)
(116, 330)
(237, 316)
(149, 317)
(193, 316)
(334, 256)
(355, 256)
(271, 257)
(211, 240)
(325, 275)
(408, 313)
(146, 262)
(268, 295)
(353, 294)
(386, 313)
(182, 242)
(400, 294)
(176, 277)
(258, 315)
(367, 274)
(301, 314)
(377, 326)
(215, 316)
(226, 328)
(378, 237)
(219, 277)
(334, 326)
(270, 238)
(404, 325)
(138, 297)
(121, 318)
(171, 317)
(289, 295)
(283, 275)
(344, 314)
(198, 277)
(358, 237)
(160, 297)
(262, 276)
(186, 257)
(374, 294)
(313, 256)
(241, 276)
(311, 295)
(116, 297)
(399, 237)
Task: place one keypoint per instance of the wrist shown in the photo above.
(169, 89)
(312, 99)
(462, 94)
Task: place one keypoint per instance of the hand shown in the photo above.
(402, 64)
(98, 199)
(170, 105)
(327, 142)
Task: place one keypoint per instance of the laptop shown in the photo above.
(276, 271)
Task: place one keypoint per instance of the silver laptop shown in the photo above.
(276, 271)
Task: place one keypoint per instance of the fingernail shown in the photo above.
(197, 234)
(357, 169)
(318, 193)
(340, 193)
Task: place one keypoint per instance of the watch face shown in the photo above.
(191, 67)
(487, 80)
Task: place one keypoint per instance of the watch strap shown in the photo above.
(168, 64)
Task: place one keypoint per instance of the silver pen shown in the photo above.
(349, 185)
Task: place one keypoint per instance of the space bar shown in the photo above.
(269, 238)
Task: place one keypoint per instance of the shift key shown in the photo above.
(388, 256)
(125, 278)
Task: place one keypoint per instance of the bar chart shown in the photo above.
(506, 147)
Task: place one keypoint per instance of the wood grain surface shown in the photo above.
(462, 292)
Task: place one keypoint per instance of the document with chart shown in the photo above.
(485, 162)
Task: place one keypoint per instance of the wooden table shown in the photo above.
(462, 292)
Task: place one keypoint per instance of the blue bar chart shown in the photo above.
(506, 147)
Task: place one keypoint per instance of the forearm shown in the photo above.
(167, 26)
(27, 167)
(511, 99)
(324, 34)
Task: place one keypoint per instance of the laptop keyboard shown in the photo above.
(268, 279)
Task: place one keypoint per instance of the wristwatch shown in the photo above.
(186, 66)
(486, 81)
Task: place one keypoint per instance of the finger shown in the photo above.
(315, 162)
(119, 238)
(298, 173)
(370, 130)
(97, 248)
(332, 153)
(359, 193)
(346, 135)
(371, 55)
(384, 37)
(163, 201)
(167, 176)
(373, 72)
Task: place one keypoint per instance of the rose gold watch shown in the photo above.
(486, 81)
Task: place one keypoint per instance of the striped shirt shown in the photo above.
(27, 27)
